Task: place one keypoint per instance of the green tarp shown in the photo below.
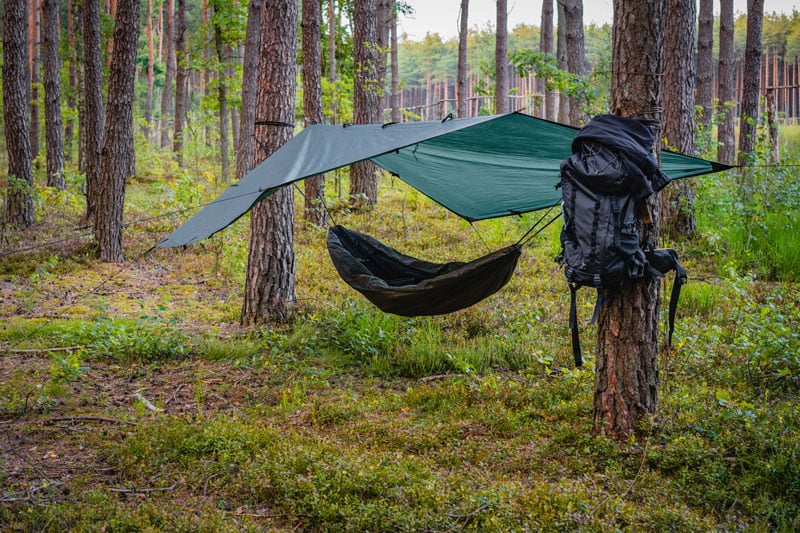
(479, 168)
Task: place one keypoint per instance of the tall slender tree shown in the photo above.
(501, 58)
(167, 102)
(366, 95)
(270, 280)
(679, 91)
(705, 61)
(16, 102)
(626, 369)
(54, 137)
(726, 152)
(576, 56)
(461, 76)
(395, 89)
(34, 29)
(117, 158)
(222, 91)
(151, 74)
(561, 58)
(93, 97)
(72, 81)
(546, 47)
(751, 80)
(252, 45)
(181, 78)
(312, 102)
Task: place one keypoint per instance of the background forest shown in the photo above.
(132, 398)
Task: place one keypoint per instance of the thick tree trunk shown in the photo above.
(16, 102)
(54, 138)
(312, 102)
(222, 97)
(117, 155)
(93, 96)
(748, 121)
(626, 373)
(148, 102)
(679, 90)
(561, 58)
(181, 79)
(546, 47)
(726, 152)
(167, 104)
(461, 77)
(501, 58)
(576, 56)
(705, 61)
(270, 281)
(34, 42)
(366, 96)
(245, 148)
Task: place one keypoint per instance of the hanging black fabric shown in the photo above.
(407, 286)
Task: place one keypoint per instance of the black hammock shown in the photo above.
(407, 286)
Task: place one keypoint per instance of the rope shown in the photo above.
(527, 237)
(321, 200)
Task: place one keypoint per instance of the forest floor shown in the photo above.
(132, 400)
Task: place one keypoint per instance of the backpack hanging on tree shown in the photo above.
(604, 186)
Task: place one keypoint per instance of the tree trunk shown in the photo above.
(167, 106)
(72, 80)
(501, 58)
(626, 373)
(331, 41)
(384, 26)
(148, 103)
(270, 282)
(117, 155)
(244, 150)
(54, 138)
(366, 96)
(396, 114)
(222, 95)
(748, 121)
(181, 80)
(679, 90)
(576, 57)
(16, 102)
(561, 58)
(95, 113)
(232, 57)
(546, 47)
(80, 83)
(461, 77)
(726, 152)
(705, 62)
(35, 34)
(312, 102)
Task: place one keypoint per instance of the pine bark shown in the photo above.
(576, 56)
(34, 42)
(93, 97)
(705, 61)
(366, 96)
(726, 151)
(314, 207)
(626, 373)
(148, 102)
(16, 102)
(679, 91)
(181, 79)
(72, 80)
(117, 158)
(752, 75)
(561, 58)
(270, 280)
(461, 76)
(395, 95)
(222, 96)
(245, 148)
(501, 58)
(546, 47)
(54, 138)
(167, 104)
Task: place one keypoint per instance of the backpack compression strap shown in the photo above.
(661, 261)
(573, 325)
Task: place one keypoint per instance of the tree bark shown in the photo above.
(396, 113)
(561, 58)
(752, 75)
(72, 80)
(705, 62)
(222, 95)
(462, 108)
(726, 151)
(546, 47)
(270, 280)
(626, 373)
(576, 56)
(181, 80)
(148, 102)
(117, 158)
(366, 96)
(93, 96)
(679, 91)
(54, 137)
(314, 207)
(501, 58)
(167, 104)
(245, 148)
(16, 108)
(34, 42)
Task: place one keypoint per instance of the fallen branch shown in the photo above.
(426, 379)
(147, 403)
(88, 419)
(142, 491)
(42, 350)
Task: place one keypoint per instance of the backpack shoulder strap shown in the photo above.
(661, 261)
(573, 324)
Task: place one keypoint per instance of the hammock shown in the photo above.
(407, 286)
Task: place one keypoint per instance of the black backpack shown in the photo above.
(604, 184)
